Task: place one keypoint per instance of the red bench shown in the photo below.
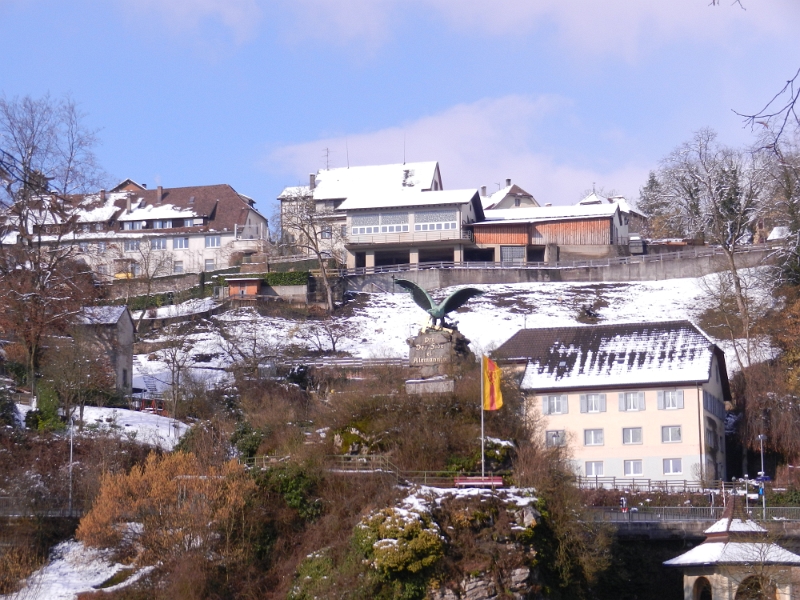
(491, 481)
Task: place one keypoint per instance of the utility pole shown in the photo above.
(762, 477)
(71, 426)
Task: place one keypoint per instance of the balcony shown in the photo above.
(409, 237)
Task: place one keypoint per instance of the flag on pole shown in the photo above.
(492, 398)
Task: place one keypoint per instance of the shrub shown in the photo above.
(296, 485)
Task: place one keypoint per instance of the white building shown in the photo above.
(634, 401)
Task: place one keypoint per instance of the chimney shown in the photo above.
(312, 181)
(483, 190)
(128, 203)
(102, 195)
(159, 194)
(508, 183)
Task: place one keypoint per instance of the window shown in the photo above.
(435, 220)
(188, 222)
(177, 267)
(594, 468)
(516, 201)
(158, 244)
(633, 468)
(632, 435)
(160, 224)
(98, 227)
(344, 231)
(672, 466)
(136, 269)
(631, 401)
(180, 243)
(593, 437)
(102, 269)
(212, 241)
(714, 405)
(555, 438)
(131, 245)
(211, 264)
(101, 247)
(83, 246)
(131, 225)
(326, 232)
(670, 434)
(670, 399)
(593, 403)
(555, 405)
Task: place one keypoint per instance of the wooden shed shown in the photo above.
(244, 287)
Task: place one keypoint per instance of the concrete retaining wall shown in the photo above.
(636, 269)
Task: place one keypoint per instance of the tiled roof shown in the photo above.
(611, 355)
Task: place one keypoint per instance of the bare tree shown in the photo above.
(245, 344)
(316, 229)
(46, 156)
(323, 335)
(176, 354)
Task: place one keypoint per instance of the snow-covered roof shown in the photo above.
(492, 199)
(295, 191)
(594, 198)
(408, 198)
(736, 525)
(731, 553)
(618, 355)
(535, 214)
(346, 182)
(157, 211)
(778, 233)
(95, 210)
(101, 315)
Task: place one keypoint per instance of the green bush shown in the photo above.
(246, 439)
(296, 485)
(287, 278)
(46, 418)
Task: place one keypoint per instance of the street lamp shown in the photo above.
(71, 425)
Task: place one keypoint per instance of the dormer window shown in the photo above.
(191, 199)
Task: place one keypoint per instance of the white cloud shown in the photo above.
(240, 17)
(584, 27)
(476, 144)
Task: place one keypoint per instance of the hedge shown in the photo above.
(287, 278)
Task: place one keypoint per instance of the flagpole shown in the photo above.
(483, 456)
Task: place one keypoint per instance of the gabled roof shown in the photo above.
(404, 198)
(595, 198)
(537, 214)
(221, 204)
(101, 315)
(619, 355)
(514, 190)
(128, 185)
(332, 184)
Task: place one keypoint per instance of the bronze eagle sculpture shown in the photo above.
(438, 311)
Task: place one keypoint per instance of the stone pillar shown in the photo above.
(458, 253)
(497, 254)
(370, 264)
(413, 256)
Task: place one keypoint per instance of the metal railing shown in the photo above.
(638, 484)
(23, 507)
(696, 252)
(662, 514)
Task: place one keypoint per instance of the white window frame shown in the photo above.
(670, 399)
(101, 247)
(555, 404)
(180, 243)
(668, 434)
(625, 441)
(213, 241)
(593, 468)
(326, 232)
(555, 437)
(131, 245)
(631, 401)
(629, 467)
(158, 243)
(593, 437)
(668, 465)
(210, 262)
(593, 403)
(177, 267)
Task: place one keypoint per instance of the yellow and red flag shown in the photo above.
(492, 398)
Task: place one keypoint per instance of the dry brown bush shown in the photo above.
(16, 565)
(173, 498)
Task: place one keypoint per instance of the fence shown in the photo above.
(22, 507)
(695, 252)
(632, 484)
(665, 514)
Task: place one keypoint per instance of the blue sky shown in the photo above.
(555, 95)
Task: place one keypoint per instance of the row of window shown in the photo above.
(159, 224)
(179, 243)
(628, 402)
(633, 468)
(670, 434)
(135, 268)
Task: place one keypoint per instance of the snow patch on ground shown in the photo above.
(190, 307)
(142, 427)
(73, 568)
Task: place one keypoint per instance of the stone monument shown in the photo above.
(436, 346)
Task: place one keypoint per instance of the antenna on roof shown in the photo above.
(593, 188)
(327, 153)
(347, 152)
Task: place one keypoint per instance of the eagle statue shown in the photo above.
(438, 312)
